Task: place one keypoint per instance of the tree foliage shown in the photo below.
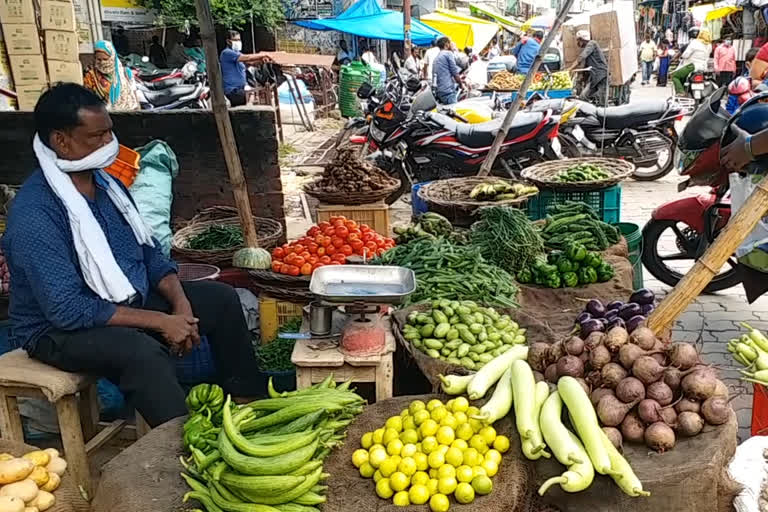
(228, 13)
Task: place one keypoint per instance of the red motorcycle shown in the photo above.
(681, 230)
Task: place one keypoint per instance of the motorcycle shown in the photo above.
(700, 85)
(189, 90)
(694, 222)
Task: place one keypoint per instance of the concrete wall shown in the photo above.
(203, 180)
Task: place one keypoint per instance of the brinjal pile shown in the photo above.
(644, 391)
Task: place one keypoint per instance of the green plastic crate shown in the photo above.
(606, 202)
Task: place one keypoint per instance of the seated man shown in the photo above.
(91, 290)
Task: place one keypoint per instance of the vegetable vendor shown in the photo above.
(91, 289)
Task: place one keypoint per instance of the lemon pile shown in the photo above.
(430, 452)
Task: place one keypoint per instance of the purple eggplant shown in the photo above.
(595, 308)
(616, 304)
(646, 309)
(582, 317)
(629, 310)
(590, 326)
(610, 314)
(634, 322)
(616, 322)
(642, 296)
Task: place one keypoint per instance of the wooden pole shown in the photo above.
(485, 169)
(406, 28)
(224, 125)
(689, 287)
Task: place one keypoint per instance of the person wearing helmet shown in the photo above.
(592, 57)
(695, 57)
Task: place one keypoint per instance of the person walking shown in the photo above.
(663, 53)
(446, 73)
(725, 62)
(647, 58)
(694, 58)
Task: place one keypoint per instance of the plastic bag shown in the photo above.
(741, 189)
(749, 468)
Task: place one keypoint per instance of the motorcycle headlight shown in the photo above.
(377, 133)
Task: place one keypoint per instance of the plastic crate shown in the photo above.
(274, 313)
(606, 202)
(759, 411)
(376, 215)
(126, 167)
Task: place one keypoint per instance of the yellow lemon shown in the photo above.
(416, 406)
(399, 481)
(449, 404)
(464, 493)
(367, 440)
(422, 463)
(464, 431)
(420, 478)
(461, 417)
(489, 434)
(490, 467)
(409, 436)
(472, 457)
(464, 473)
(443, 448)
(409, 450)
(436, 459)
(359, 457)
(445, 435)
(460, 444)
(429, 444)
(449, 421)
(432, 473)
(378, 436)
(407, 466)
(478, 443)
(446, 471)
(501, 443)
(476, 425)
(366, 470)
(390, 434)
(454, 457)
(434, 403)
(439, 503)
(428, 428)
(418, 494)
(383, 489)
(409, 423)
(375, 446)
(460, 404)
(439, 413)
(478, 471)
(482, 485)
(376, 457)
(472, 411)
(432, 486)
(394, 447)
(404, 413)
(396, 458)
(493, 455)
(447, 485)
(420, 417)
(377, 476)
(395, 423)
(401, 499)
(388, 467)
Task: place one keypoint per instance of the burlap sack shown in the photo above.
(68, 497)
(348, 491)
(145, 476)
(18, 369)
(431, 368)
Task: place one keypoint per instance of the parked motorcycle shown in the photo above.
(189, 90)
(700, 85)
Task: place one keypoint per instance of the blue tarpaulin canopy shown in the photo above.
(365, 18)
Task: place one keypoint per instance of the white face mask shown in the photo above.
(237, 46)
(99, 159)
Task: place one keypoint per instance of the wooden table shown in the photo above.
(313, 366)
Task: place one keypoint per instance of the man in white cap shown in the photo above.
(592, 57)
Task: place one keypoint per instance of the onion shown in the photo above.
(689, 423)
(551, 373)
(660, 437)
(615, 436)
(700, 384)
(715, 410)
(574, 346)
(647, 369)
(687, 405)
(599, 357)
(649, 411)
(599, 393)
(632, 428)
(660, 392)
(612, 411)
(629, 390)
(570, 366)
(643, 337)
(683, 355)
(612, 374)
(538, 356)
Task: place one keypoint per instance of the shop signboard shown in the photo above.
(125, 11)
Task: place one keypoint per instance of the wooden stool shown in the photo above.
(77, 405)
(313, 366)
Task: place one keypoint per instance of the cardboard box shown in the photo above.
(622, 64)
(571, 50)
(60, 71)
(28, 95)
(612, 31)
(61, 45)
(21, 39)
(28, 70)
(17, 11)
(55, 15)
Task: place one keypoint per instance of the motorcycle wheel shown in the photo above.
(659, 170)
(686, 239)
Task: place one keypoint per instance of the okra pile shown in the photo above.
(266, 456)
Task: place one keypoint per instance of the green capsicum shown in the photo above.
(569, 279)
(593, 260)
(564, 265)
(525, 276)
(587, 275)
(576, 252)
(605, 272)
(553, 257)
(552, 281)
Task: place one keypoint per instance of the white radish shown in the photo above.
(489, 374)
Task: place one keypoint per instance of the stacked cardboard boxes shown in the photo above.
(40, 53)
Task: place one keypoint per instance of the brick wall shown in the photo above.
(203, 180)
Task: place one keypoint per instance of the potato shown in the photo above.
(6, 456)
(52, 452)
(31, 509)
(15, 470)
(25, 490)
(39, 475)
(53, 482)
(38, 458)
(11, 504)
(57, 465)
(43, 501)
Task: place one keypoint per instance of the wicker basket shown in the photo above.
(450, 198)
(268, 231)
(281, 286)
(344, 197)
(545, 174)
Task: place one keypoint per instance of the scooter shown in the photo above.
(176, 93)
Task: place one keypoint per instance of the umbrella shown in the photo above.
(539, 22)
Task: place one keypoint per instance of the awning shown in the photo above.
(462, 30)
(714, 11)
(508, 23)
(366, 18)
(538, 22)
(721, 12)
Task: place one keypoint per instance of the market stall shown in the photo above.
(465, 31)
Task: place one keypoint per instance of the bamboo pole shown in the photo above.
(485, 169)
(689, 287)
(224, 125)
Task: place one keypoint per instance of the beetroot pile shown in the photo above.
(643, 391)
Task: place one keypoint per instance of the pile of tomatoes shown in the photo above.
(328, 243)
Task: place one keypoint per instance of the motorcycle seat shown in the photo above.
(633, 114)
(481, 135)
(167, 96)
(161, 84)
(153, 76)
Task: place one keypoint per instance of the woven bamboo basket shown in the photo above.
(450, 198)
(351, 198)
(268, 233)
(545, 174)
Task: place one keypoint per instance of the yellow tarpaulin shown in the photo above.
(462, 30)
(721, 12)
(715, 11)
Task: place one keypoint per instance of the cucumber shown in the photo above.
(263, 485)
(261, 466)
